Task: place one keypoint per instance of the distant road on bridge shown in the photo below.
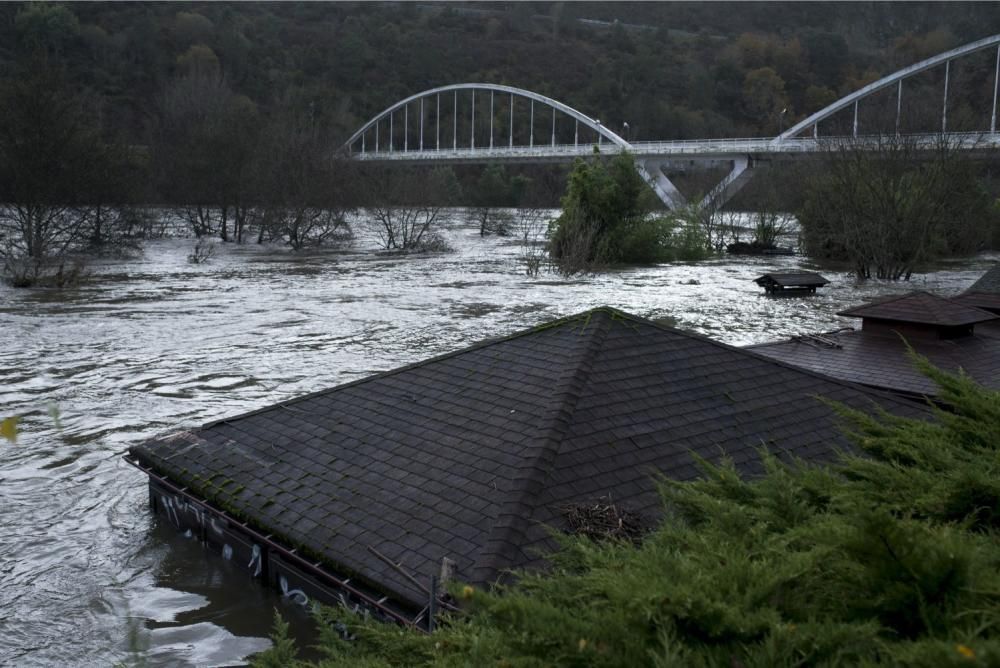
(721, 149)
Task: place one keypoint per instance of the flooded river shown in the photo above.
(155, 343)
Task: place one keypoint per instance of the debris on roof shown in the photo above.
(604, 520)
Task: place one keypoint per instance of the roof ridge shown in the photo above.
(989, 281)
(881, 301)
(516, 513)
(485, 343)
(745, 350)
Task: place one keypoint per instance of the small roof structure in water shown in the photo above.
(987, 301)
(799, 280)
(469, 456)
(985, 292)
(988, 282)
(943, 330)
(919, 308)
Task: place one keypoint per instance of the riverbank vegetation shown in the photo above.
(888, 556)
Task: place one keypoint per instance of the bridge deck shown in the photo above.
(721, 149)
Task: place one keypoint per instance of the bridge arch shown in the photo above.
(898, 78)
(591, 123)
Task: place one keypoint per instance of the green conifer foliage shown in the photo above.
(888, 556)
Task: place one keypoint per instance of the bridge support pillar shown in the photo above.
(649, 170)
(741, 173)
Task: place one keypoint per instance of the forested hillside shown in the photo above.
(671, 70)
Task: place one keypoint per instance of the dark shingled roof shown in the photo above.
(988, 282)
(881, 361)
(469, 455)
(988, 301)
(922, 308)
(792, 279)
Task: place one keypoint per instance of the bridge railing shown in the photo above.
(687, 147)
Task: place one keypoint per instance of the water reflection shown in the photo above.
(155, 343)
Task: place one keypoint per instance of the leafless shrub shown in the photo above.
(303, 188)
(203, 251)
(403, 207)
(531, 227)
(29, 272)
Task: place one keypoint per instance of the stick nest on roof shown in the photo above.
(603, 520)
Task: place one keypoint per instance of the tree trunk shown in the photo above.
(224, 228)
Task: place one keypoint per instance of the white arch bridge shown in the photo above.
(441, 125)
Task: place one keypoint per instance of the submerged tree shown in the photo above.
(303, 189)
(883, 558)
(205, 146)
(607, 220)
(603, 199)
(405, 206)
(492, 192)
(61, 181)
(888, 203)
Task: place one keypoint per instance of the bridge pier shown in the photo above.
(741, 173)
(650, 171)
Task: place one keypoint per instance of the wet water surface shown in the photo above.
(87, 577)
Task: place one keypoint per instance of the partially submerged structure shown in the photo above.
(984, 293)
(791, 282)
(367, 492)
(943, 330)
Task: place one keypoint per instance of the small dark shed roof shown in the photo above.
(920, 308)
(469, 455)
(988, 282)
(792, 279)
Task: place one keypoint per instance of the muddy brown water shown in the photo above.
(88, 578)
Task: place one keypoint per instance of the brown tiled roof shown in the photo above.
(988, 282)
(791, 279)
(922, 308)
(471, 454)
(881, 361)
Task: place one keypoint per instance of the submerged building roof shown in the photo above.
(988, 282)
(987, 301)
(943, 330)
(881, 361)
(985, 292)
(921, 308)
(469, 456)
